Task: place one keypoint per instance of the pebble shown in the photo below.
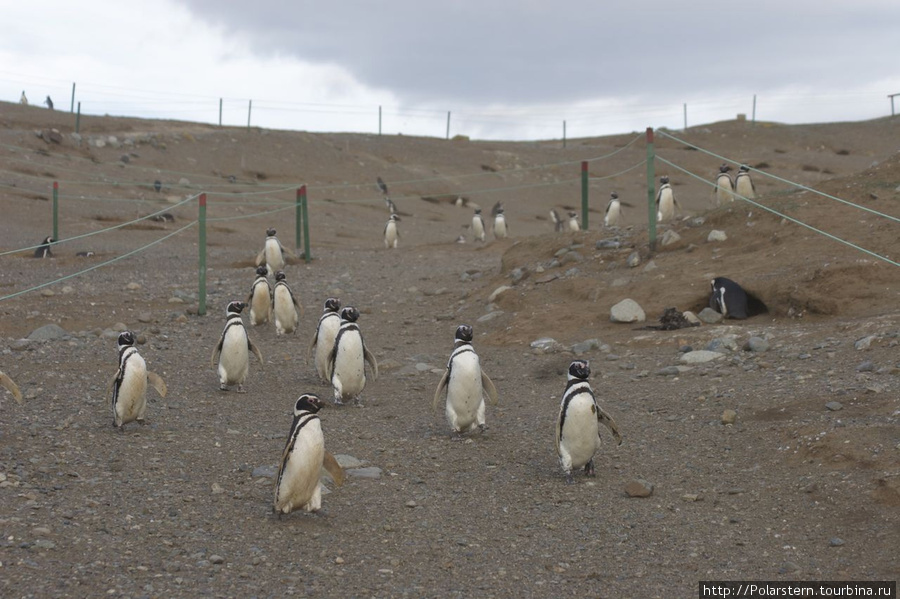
(834, 406)
(348, 461)
(48, 332)
(263, 472)
(411, 503)
(668, 371)
(639, 488)
(670, 237)
(756, 344)
(145, 317)
(608, 244)
(728, 417)
(546, 345)
(867, 366)
(47, 292)
(133, 286)
(44, 544)
(717, 235)
(690, 317)
(496, 293)
(518, 274)
(836, 542)
(634, 259)
(709, 316)
(700, 356)
(216, 559)
(585, 346)
(865, 342)
(627, 311)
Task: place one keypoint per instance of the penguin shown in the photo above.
(382, 186)
(287, 309)
(129, 387)
(557, 223)
(49, 103)
(613, 211)
(724, 185)
(272, 254)
(577, 431)
(665, 201)
(232, 350)
(157, 185)
(260, 298)
(501, 231)
(572, 223)
(164, 217)
(497, 208)
(297, 485)
(391, 233)
(323, 340)
(347, 362)
(11, 387)
(728, 298)
(43, 250)
(743, 184)
(392, 208)
(23, 99)
(466, 385)
(478, 225)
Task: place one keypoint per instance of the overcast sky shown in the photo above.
(504, 69)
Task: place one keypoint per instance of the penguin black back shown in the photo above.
(43, 250)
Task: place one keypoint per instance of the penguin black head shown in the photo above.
(724, 168)
(307, 402)
(579, 369)
(332, 304)
(664, 180)
(157, 185)
(279, 276)
(126, 339)
(500, 210)
(394, 217)
(745, 168)
(235, 308)
(464, 333)
(48, 240)
(572, 214)
(270, 233)
(350, 314)
(614, 195)
(261, 271)
(478, 211)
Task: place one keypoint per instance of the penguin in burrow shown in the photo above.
(11, 386)
(557, 222)
(724, 185)
(391, 232)
(323, 340)
(273, 253)
(260, 298)
(347, 363)
(43, 250)
(129, 386)
(572, 223)
(286, 308)
(577, 428)
(501, 230)
(743, 183)
(665, 201)
(466, 385)
(233, 350)
(297, 485)
(478, 228)
(729, 299)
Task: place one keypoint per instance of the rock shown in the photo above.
(633, 260)
(716, 235)
(700, 356)
(709, 316)
(496, 293)
(217, 489)
(216, 559)
(368, 472)
(184, 182)
(670, 237)
(47, 292)
(48, 332)
(388, 365)
(546, 345)
(639, 488)
(690, 317)
(756, 344)
(627, 310)
(608, 244)
(44, 544)
(651, 266)
(585, 346)
(348, 461)
(865, 342)
(490, 316)
(728, 417)
(835, 542)
(132, 286)
(571, 257)
(834, 406)
(518, 275)
(668, 371)
(145, 317)
(867, 366)
(176, 300)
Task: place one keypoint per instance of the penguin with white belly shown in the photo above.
(572, 223)
(466, 385)
(297, 485)
(577, 428)
(724, 186)
(347, 364)
(323, 341)
(478, 225)
(260, 298)
(391, 232)
(129, 387)
(273, 253)
(665, 201)
(743, 183)
(501, 230)
(287, 309)
(233, 350)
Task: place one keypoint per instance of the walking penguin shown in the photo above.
(260, 298)
(347, 364)
(129, 387)
(287, 309)
(323, 341)
(233, 350)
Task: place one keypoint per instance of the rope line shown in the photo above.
(96, 266)
(630, 168)
(784, 216)
(240, 216)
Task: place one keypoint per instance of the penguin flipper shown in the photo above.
(312, 345)
(157, 383)
(331, 466)
(252, 347)
(488, 385)
(621, 203)
(440, 388)
(216, 352)
(9, 384)
(298, 305)
(608, 422)
(261, 257)
(288, 252)
(371, 360)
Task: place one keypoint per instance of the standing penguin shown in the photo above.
(260, 298)
(614, 210)
(232, 351)
(557, 223)
(665, 201)
(297, 485)
(577, 429)
(728, 298)
(572, 223)
(382, 186)
(272, 254)
(347, 364)
(391, 233)
(129, 387)
(11, 387)
(23, 99)
(501, 231)
(43, 250)
(724, 185)
(743, 184)
(323, 340)
(466, 384)
(286, 307)
(478, 225)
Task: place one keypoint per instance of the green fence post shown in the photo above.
(78, 118)
(299, 220)
(201, 223)
(651, 189)
(306, 255)
(56, 210)
(584, 195)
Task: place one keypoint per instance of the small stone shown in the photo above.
(496, 293)
(68, 289)
(867, 366)
(670, 237)
(44, 544)
(145, 317)
(700, 356)
(368, 472)
(690, 317)
(639, 488)
(263, 472)
(834, 406)
(651, 266)
(546, 345)
(217, 489)
(728, 417)
(132, 286)
(865, 342)
(216, 559)
(633, 260)
(836, 542)
(571, 257)
(626, 311)
(716, 235)
(48, 332)
(348, 461)
(411, 503)
(756, 344)
(47, 292)
(339, 560)
(668, 371)
(608, 244)
(41, 530)
(181, 318)
(691, 497)
(709, 316)
(585, 346)
(546, 278)
(518, 274)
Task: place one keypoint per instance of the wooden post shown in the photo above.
(584, 195)
(201, 224)
(78, 118)
(651, 189)
(298, 208)
(306, 252)
(56, 210)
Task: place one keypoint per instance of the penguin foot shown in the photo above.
(589, 468)
(482, 428)
(223, 387)
(570, 480)
(456, 436)
(241, 389)
(338, 402)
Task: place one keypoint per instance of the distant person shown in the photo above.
(49, 103)
(23, 99)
